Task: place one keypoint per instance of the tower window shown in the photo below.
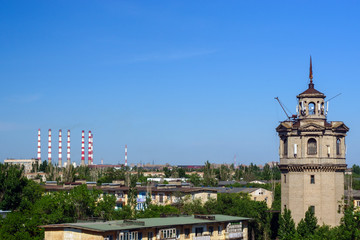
(312, 208)
(338, 142)
(285, 150)
(311, 108)
(312, 179)
(284, 178)
(311, 146)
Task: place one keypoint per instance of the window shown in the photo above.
(161, 198)
(311, 146)
(284, 178)
(168, 233)
(199, 231)
(284, 206)
(312, 179)
(128, 236)
(338, 145)
(358, 203)
(211, 230)
(187, 232)
(312, 208)
(208, 196)
(311, 108)
(285, 150)
(219, 230)
(150, 235)
(177, 233)
(109, 237)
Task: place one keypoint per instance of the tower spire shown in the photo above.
(311, 84)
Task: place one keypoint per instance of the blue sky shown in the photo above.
(179, 82)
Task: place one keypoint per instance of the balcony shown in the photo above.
(201, 238)
(233, 235)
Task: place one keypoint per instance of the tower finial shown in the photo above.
(311, 85)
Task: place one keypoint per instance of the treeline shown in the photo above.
(211, 175)
(308, 228)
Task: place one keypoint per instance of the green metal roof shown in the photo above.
(148, 223)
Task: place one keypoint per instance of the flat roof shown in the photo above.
(119, 225)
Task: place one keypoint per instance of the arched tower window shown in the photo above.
(285, 150)
(311, 108)
(338, 145)
(311, 146)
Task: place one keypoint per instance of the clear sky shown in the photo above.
(179, 82)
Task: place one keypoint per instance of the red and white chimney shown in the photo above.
(39, 148)
(89, 148)
(82, 148)
(49, 147)
(125, 155)
(92, 149)
(68, 149)
(60, 149)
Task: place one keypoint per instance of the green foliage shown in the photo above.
(307, 226)
(356, 169)
(350, 224)
(12, 184)
(43, 166)
(287, 229)
(209, 175)
(157, 211)
(195, 179)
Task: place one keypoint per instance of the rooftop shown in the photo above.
(145, 223)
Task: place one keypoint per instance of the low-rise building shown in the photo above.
(197, 227)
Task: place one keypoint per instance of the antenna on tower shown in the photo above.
(327, 102)
(282, 106)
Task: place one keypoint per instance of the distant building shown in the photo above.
(26, 163)
(256, 194)
(197, 227)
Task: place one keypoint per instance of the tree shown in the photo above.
(209, 175)
(12, 184)
(195, 179)
(350, 224)
(287, 229)
(307, 226)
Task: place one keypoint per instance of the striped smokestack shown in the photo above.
(68, 148)
(39, 148)
(60, 149)
(92, 149)
(49, 147)
(125, 155)
(89, 148)
(82, 148)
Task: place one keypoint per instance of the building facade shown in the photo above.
(197, 227)
(312, 160)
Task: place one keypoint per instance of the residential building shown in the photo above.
(26, 163)
(197, 227)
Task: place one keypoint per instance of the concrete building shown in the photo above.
(26, 163)
(312, 160)
(197, 227)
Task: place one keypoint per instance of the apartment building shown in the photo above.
(196, 227)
